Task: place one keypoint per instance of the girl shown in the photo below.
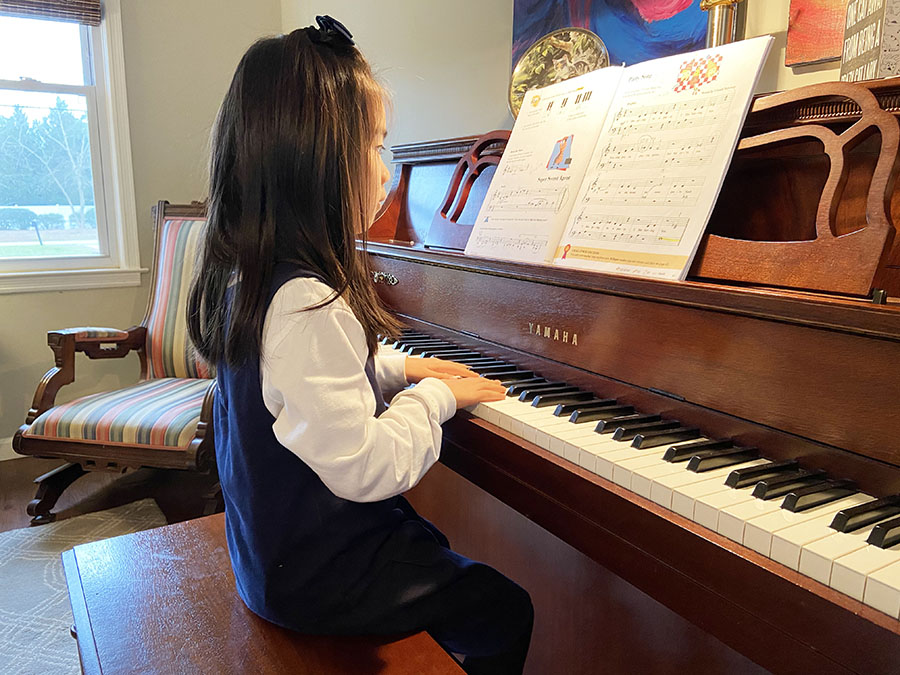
(311, 463)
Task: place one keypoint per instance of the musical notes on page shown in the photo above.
(514, 167)
(692, 113)
(624, 228)
(659, 162)
(527, 200)
(551, 145)
(506, 246)
(648, 152)
(656, 191)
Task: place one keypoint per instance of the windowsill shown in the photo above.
(69, 280)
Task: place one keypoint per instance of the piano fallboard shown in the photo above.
(798, 375)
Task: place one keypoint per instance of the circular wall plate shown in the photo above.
(557, 56)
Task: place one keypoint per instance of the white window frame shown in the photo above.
(119, 261)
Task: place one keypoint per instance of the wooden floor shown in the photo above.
(179, 494)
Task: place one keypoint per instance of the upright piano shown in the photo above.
(688, 477)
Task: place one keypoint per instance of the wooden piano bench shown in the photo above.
(164, 601)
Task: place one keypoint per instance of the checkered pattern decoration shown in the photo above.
(699, 71)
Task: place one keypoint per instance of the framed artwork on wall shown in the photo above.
(631, 30)
(815, 31)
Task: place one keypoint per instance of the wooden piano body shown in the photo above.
(621, 584)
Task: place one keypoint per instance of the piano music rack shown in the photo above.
(825, 157)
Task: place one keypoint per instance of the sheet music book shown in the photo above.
(618, 170)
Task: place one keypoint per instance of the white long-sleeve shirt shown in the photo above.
(314, 385)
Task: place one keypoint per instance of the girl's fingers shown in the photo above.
(451, 368)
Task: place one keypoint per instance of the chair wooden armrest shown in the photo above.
(96, 343)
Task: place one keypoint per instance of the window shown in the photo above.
(66, 193)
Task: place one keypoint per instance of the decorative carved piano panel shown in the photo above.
(638, 555)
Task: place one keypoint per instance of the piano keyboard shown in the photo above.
(822, 527)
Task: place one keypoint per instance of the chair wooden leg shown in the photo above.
(50, 487)
(213, 502)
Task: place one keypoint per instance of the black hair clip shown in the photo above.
(331, 32)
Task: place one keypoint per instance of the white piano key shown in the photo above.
(758, 531)
(685, 496)
(489, 411)
(883, 590)
(817, 557)
(588, 453)
(644, 465)
(543, 435)
(613, 454)
(788, 543)
(732, 519)
(708, 508)
(663, 487)
(643, 478)
(635, 459)
(528, 423)
(567, 443)
(849, 572)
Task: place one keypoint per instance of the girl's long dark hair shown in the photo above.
(290, 181)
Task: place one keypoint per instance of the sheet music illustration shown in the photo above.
(534, 187)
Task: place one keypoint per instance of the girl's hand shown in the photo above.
(471, 390)
(418, 369)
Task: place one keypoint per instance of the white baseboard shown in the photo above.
(6, 449)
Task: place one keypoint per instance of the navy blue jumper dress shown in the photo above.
(310, 561)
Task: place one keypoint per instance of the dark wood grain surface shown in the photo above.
(834, 383)
(621, 584)
(164, 601)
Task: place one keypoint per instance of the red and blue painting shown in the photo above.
(633, 30)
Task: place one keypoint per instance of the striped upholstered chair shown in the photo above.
(162, 421)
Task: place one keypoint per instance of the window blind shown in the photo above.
(79, 11)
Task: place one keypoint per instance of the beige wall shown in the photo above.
(447, 64)
(771, 17)
(179, 57)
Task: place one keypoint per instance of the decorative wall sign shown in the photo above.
(815, 31)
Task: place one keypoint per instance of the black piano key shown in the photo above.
(511, 383)
(505, 367)
(421, 339)
(405, 339)
(749, 475)
(857, 517)
(465, 352)
(778, 486)
(564, 409)
(515, 390)
(545, 400)
(519, 387)
(628, 433)
(582, 416)
(886, 534)
(511, 376)
(811, 496)
(528, 395)
(610, 425)
(717, 459)
(416, 349)
(656, 438)
(449, 355)
(683, 453)
(481, 361)
(501, 375)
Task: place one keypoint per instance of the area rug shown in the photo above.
(35, 615)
